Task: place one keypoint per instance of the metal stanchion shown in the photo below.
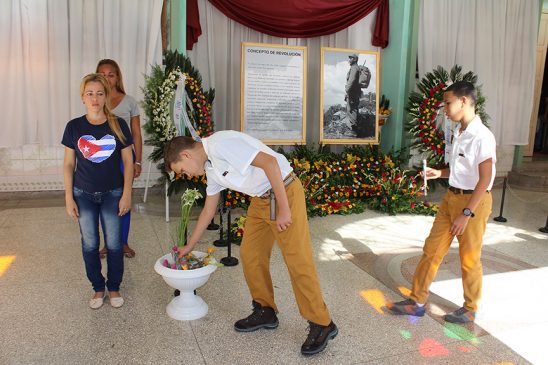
(212, 226)
(221, 242)
(500, 218)
(229, 260)
(545, 228)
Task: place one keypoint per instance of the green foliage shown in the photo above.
(385, 102)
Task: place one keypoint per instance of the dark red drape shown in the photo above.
(305, 18)
(380, 34)
(193, 28)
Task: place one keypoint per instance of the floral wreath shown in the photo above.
(159, 91)
(423, 108)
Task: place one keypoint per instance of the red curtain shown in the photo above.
(380, 34)
(305, 18)
(193, 28)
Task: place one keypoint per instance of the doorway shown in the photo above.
(537, 149)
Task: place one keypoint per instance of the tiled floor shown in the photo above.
(363, 260)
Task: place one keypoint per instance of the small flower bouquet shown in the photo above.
(190, 261)
(384, 110)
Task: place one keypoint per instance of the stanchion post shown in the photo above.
(213, 226)
(221, 242)
(500, 218)
(545, 228)
(147, 180)
(229, 260)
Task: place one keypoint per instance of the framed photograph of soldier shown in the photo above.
(273, 93)
(349, 96)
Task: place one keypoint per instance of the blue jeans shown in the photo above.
(93, 207)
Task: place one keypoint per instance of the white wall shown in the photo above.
(38, 168)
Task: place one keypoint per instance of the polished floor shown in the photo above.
(363, 261)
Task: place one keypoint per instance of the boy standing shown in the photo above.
(277, 211)
(464, 210)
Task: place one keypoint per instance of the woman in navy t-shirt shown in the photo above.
(95, 189)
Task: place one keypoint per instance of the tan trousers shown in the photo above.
(256, 249)
(438, 242)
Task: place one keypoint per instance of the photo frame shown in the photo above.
(273, 93)
(349, 96)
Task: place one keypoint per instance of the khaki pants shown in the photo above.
(256, 249)
(470, 243)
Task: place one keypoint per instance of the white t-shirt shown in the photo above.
(470, 148)
(230, 154)
(127, 109)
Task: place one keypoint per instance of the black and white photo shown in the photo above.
(349, 96)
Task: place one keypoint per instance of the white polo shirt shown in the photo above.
(470, 148)
(230, 154)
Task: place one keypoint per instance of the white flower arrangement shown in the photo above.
(161, 120)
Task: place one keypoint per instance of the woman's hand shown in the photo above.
(72, 208)
(124, 205)
(136, 170)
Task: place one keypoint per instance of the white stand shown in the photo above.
(146, 190)
(147, 180)
(167, 203)
(424, 179)
(187, 306)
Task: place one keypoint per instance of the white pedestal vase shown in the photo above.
(187, 306)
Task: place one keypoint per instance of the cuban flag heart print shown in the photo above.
(96, 150)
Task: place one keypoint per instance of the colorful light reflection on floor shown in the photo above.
(432, 348)
(5, 263)
(375, 298)
(458, 332)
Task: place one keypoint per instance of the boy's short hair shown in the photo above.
(464, 88)
(174, 147)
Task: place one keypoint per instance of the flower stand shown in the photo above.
(187, 306)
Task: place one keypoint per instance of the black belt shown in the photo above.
(288, 180)
(461, 191)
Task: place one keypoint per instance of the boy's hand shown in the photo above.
(431, 173)
(459, 225)
(185, 250)
(283, 220)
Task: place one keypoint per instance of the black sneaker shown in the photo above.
(406, 307)
(262, 317)
(318, 337)
(461, 315)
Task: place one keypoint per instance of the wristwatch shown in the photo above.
(468, 213)
(137, 163)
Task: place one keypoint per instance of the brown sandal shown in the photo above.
(128, 252)
(103, 252)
